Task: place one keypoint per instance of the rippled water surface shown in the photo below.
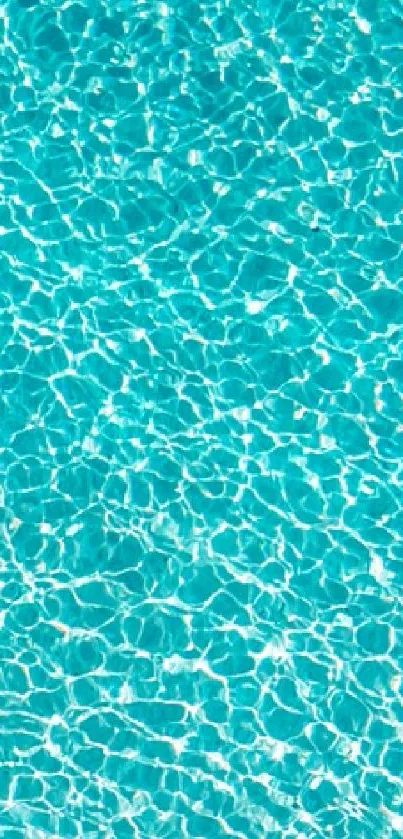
(201, 311)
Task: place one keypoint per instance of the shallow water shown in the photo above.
(201, 411)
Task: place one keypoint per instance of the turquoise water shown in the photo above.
(201, 562)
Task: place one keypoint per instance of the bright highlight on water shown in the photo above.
(201, 371)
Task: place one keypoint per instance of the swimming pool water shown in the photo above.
(201, 370)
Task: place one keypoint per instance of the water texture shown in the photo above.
(201, 310)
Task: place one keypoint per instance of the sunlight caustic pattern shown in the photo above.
(201, 560)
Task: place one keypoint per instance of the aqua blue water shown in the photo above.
(201, 544)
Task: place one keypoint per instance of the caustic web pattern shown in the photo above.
(201, 559)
